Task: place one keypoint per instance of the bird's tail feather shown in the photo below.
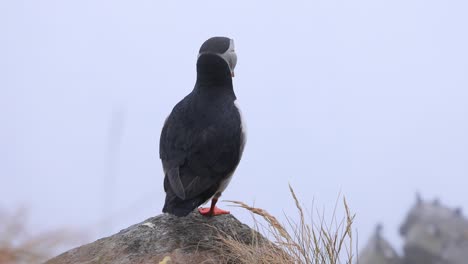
(178, 207)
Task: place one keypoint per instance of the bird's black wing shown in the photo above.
(196, 156)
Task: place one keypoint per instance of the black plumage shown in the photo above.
(202, 139)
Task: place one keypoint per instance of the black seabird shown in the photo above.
(202, 139)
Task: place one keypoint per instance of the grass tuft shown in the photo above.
(299, 241)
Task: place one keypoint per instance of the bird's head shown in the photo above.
(222, 47)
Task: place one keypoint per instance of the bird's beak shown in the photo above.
(232, 74)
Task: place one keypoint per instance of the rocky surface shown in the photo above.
(163, 239)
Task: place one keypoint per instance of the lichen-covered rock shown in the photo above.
(164, 238)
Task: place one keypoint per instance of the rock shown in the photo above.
(435, 234)
(163, 239)
(432, 233)
(378, 250)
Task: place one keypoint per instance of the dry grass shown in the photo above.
(295, 241)
(18, 246)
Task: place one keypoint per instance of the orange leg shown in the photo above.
(213, 210)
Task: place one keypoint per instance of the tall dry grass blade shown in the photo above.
(272, 221)
(298, 241)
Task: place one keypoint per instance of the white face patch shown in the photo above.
(229, 56)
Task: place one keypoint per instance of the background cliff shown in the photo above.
(432, 234)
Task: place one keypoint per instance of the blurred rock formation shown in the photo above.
(378, 250)
(432, 233)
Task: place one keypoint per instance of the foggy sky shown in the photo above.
(363, 98)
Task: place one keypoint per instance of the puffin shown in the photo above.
(203, 138)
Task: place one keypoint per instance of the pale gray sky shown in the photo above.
(367, 98)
